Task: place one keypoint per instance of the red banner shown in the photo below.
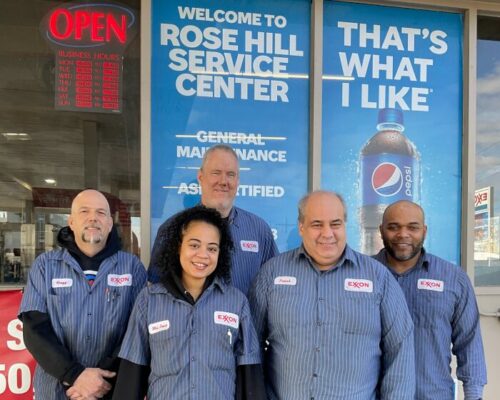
(16, 364)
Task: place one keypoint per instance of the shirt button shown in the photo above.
(321, 299)
(193, 386)
(317, 349)
(193, 358)
(315, 375)
(318, 323)
(194, 332)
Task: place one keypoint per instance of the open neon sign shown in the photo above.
(90, 25)
(89, 40)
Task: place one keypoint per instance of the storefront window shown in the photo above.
(487, 208)
(54, 143)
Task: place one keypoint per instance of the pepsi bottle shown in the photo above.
(390, 171)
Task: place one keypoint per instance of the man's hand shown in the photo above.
(90, 384)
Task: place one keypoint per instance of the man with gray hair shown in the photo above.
(254, 244)
(333, 321)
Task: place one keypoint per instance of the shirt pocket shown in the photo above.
(62, 306)
(360, 314)
(118, 304)
(168, 355)
(221, 352)
(288, 307)
(429, 309)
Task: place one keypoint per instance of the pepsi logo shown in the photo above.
(387, 179)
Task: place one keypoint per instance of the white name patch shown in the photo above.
(285, 280)
(62, 282)
(120, 280)
(159, 326)
(249, 245)
(430, 284)
(358, 285)
(227, 318)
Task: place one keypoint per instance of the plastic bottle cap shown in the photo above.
(390, 116)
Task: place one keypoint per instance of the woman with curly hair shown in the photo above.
(191, 335)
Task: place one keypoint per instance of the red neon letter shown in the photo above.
(68, 22)
(120, 31)
(82, 22)
(97, 26)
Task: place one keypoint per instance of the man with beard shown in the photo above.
(442, 304)
(77, 303)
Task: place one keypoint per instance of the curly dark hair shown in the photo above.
(169, 260)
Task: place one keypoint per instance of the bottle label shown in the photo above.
(386, 178)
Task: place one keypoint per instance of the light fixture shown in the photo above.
(50, 181)
(16, 136)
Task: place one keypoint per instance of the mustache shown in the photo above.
(92, 227)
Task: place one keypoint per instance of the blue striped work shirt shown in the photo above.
(88, 320)
(444, 310)
(253, 246)
(341, 334)
(193, 350)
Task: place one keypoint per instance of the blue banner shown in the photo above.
(392, 118)
(234, 73)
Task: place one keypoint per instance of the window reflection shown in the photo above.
(487, 208)
(47, 155)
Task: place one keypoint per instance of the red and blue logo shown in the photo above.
(387, 179)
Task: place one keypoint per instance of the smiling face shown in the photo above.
(323, 229)
(198, 253)
(403, 233)
(219, 179)
(90, 221)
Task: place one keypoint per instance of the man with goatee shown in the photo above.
(77, 303)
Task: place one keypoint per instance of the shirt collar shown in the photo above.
(349, 256)
(346, 258)
(175, 284)
(232, 217)
(422, 261)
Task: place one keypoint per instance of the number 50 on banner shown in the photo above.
(17, 365)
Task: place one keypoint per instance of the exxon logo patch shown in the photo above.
(226, 318)
(358, 285)
(430, 284)
(120, 280)
(249, 245)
